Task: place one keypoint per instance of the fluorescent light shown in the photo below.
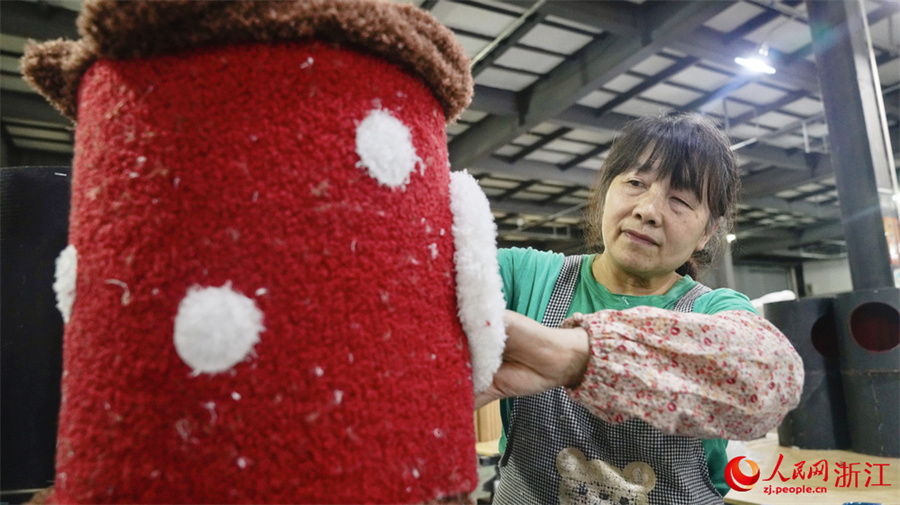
(759, 62)
(756, 64)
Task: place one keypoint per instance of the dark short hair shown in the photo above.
(693, 153)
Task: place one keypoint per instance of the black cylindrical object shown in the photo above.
(34, 226)
(820, 419)
(869, 336)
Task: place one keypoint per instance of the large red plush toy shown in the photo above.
(273, 281)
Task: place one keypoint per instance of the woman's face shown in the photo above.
(649, 228)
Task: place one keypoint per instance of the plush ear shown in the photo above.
(570, 460)
(640, 473)
(54, 69)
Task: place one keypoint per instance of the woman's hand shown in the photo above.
(537, 358)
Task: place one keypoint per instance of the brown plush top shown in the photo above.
(126, 29)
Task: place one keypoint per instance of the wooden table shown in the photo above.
(488, 448)
(766, 452)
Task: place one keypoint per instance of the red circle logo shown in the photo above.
(736, 479)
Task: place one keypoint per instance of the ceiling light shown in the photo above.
(758, 62)
(731, 237)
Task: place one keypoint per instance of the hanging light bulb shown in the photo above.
(758, 62)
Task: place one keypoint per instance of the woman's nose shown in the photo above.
(648, 207)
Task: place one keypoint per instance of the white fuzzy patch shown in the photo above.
(216, 328)
(479, 288)
(65, 279)
(385, 149)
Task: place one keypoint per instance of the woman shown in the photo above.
(630, 400)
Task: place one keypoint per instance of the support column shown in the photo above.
(860, 145)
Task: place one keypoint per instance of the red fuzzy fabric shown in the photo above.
(238, 165)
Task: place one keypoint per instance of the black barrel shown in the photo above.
(820, 420)
(34, 226)
(869, 336)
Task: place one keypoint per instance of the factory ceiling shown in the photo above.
(554, 82)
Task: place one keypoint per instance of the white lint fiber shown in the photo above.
(65, 279)
(479, 288)
(385, 149)
(216, 328)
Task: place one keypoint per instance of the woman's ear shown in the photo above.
(708, 234)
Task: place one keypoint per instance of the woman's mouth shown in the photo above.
(639, 237)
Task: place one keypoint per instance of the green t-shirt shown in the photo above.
(528, 279)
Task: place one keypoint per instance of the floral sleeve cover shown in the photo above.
(727, 375)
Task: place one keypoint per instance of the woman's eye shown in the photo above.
(682, 202)
(636, 183)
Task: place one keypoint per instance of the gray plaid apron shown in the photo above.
(558, 452)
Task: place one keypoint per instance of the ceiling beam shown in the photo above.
(581, 117)
(540, 144)
(778, 240)
(531, 169)
(711, 45)
(37, 20)
(797, 207)
(772, 155)
(522, 207)
(621, 18)
(649, 82)
(794, 71)
(502, 102)
(507, 39)
(749, 232)
(701, 42)
(515, 189)
(595, 64)
(427, 5)
(499, 102)
(585, 118)
(772, 181)
(581, 158)
(30, 106)
(791, 256)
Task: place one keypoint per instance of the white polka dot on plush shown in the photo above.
(216, 328)
(65, 280)
(385, 149)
